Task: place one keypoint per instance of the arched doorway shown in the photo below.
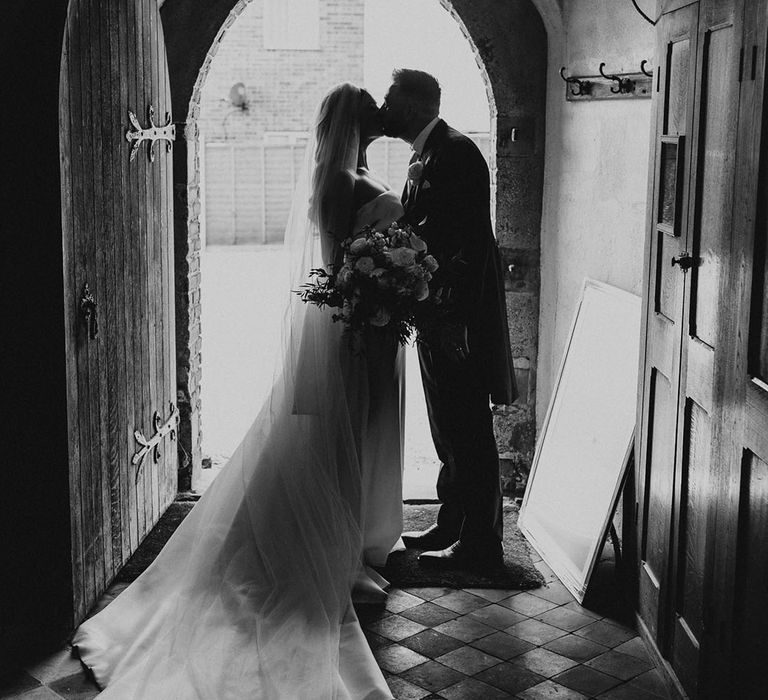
(252, 131)
(510, 44)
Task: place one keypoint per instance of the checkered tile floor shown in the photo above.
(461, 645)
(480, 644)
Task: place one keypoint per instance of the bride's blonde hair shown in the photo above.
(337, 143)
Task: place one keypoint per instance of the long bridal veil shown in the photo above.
(250, 598)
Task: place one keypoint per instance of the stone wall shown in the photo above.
(511, 48)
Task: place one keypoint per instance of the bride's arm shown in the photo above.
(338, 206)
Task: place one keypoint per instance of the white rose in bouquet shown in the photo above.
(417, 243)
(430, 263)
(421, 290)
(402, 257)
(365, 265)
(358, 246)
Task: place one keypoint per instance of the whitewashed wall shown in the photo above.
(595, 173)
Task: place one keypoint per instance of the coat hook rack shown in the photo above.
(577, 87)
(608, 86)
(623, 85)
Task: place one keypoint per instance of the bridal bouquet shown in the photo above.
(384, 277)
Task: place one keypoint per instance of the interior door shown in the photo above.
(118, 277)
(663, 314)
(699, 56)
(736, 666)
(708, 243)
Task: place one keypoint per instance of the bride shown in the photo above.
(251, 596)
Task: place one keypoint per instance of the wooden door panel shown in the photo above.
(692, 546)
(717, 154)
(751, 580)
(699, 372)
(708, 235)
(756, 418)
(654, 550)
(735, 665)
(668, 288)
(109, 351)
(678, 72)
(759, 346)
(121, 57)
(152, 279)
(663, 319)
(117, 240)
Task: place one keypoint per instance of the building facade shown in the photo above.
(278, 60)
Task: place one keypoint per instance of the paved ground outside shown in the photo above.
(243, 299)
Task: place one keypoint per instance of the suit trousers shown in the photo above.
(461, 423)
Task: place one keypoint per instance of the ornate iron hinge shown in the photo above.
(165, 132)
(153, 444)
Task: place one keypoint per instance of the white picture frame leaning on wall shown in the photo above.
(585, 442)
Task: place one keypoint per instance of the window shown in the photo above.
(292, 24)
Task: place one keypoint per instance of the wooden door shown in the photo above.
(681, 404)
(117, 218)
(663, 312)
(708, 239)
(736, 661)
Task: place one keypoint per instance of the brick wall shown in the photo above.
(283, 86)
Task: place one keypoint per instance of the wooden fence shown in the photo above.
(248, 185)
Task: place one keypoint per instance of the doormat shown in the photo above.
(403, 569)
(156, 539)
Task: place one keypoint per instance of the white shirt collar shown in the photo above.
(421, 139)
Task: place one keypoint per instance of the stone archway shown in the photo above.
(510, 44)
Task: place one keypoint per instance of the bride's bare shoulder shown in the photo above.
(367, 188)
(350, 189)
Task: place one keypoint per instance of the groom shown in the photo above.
(465, 359)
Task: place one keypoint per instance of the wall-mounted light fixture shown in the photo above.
(238, 97)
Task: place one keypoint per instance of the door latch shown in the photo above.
(685, 261)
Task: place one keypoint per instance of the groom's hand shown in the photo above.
(453, 342)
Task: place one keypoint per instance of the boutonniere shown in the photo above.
(415, 172)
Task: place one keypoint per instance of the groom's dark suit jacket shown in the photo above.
(450, 208)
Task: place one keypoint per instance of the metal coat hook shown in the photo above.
(623, 86)
(582, 87)
(643, 71)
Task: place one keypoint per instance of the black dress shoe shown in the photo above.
(461, 556)
(431, 538)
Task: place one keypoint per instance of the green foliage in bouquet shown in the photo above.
(383, 281)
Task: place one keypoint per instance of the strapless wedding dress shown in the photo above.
(251, 596)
